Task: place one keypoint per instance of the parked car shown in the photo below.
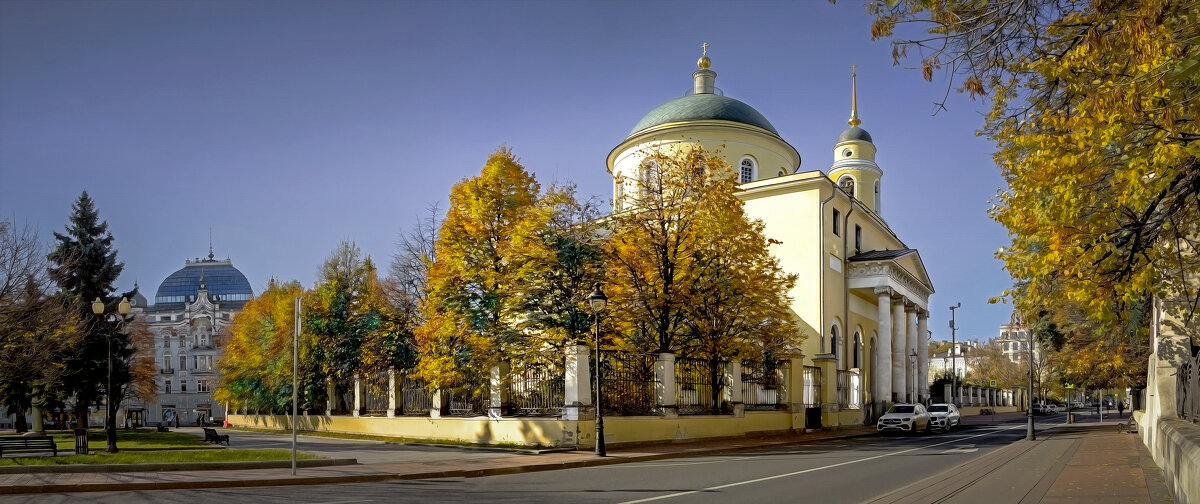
(944, 417)
(908, 418)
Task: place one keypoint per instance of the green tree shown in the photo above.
(1094, 106)
(84, 266)
(562, 263)
(473, 304)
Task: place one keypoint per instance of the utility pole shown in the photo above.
(954, 353)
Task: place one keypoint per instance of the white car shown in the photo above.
(944, 417)
(908, 418)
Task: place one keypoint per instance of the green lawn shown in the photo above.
(135, 439)
(157, 456)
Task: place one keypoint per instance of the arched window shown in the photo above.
(833, 345)
(167, 361)
(847, 184)
(650, 177)
(619, 196)
(856, 358)
(182, 362)
(746, 170)
(878, 203)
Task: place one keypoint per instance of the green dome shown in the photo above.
(699, 107)
(854, 133)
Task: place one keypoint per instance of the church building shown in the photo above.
(862, 293)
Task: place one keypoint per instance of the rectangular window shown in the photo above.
(182, 362)
(837, 222)
(183, 385)
(857, 239)
(201, 385)
(167, 387)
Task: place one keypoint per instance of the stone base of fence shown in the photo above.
(539, 432)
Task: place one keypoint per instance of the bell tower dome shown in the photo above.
(854, 168)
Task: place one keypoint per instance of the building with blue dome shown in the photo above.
(192, 310)
(862, 293)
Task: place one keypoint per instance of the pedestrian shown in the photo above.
(1120, 408)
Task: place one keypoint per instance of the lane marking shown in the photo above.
(814, 469)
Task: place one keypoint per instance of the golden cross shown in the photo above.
(852, 67)
(704, 47)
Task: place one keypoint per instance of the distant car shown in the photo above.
(908, 418)
(944, 417)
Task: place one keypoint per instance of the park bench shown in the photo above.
(211, 436)
(163, 428)
(1129, 426)
(987, 411)
(27, 444)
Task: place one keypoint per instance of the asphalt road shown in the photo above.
(837, 471)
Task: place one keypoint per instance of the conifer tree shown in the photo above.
(84, 266)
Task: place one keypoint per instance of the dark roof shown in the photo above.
(225, 284)
(880, 255)
(699, 107)
(854, 133)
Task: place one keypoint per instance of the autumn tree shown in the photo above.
(405, 286)
(651, 252)
(472, 308)
(84, 266)
(256, 361)
(1093, 111)
(987, 362)
(39, 333)
(737, 299)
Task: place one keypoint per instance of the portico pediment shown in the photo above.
(892, 270)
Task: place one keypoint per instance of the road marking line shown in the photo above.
(814, 469)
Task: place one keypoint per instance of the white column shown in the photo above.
(881, 385)
(498, 393)
(899, 356)
(733, 393)
(923, 353)
(910, 346)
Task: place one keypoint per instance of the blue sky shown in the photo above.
(286, 127)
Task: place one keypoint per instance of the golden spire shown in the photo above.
(854, 97)
(704, 62)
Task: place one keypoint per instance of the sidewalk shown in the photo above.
(1085, 462)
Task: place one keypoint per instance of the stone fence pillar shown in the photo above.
(578, 395)
(733, 392)
(664, 389)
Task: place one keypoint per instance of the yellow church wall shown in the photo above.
(788, 208)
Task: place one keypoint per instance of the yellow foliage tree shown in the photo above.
(256, 362)
(1094, 108)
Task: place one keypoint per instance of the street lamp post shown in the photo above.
(597, 300)
(1029, 432)
(912, 359)
(954, 356)
(110, 416)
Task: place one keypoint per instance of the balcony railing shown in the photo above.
(166, 371)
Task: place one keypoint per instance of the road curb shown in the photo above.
(173, 466)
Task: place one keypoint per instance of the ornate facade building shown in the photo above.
(192, 309)
(862, 293)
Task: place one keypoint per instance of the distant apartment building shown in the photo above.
(951, 357)
(1014, 342)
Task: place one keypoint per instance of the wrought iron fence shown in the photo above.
(811, 395)
(849, 389)
(467, 402)
(628, 383)
(415, 397)
(375, 389)
(1187, 383)
(763, 385)
(698, 386)
(537, 390)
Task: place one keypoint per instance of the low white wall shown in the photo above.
(1177, 451)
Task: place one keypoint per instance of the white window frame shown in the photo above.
(753, 169)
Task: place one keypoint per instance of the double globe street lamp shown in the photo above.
(110, 416)
(597, 300)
